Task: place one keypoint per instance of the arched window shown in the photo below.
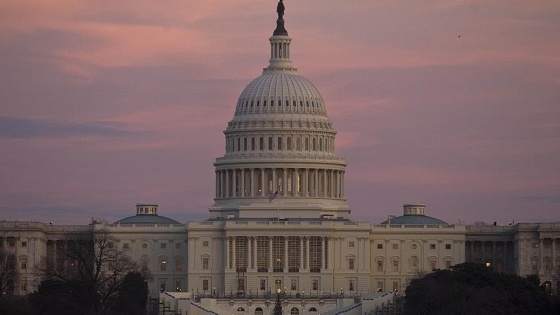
(312, 309)
(321, 144)
(270, 143)
(314, 148)
(289, 143)
(261, 143)
(279, 143)
(258, 311)
(253, 144)
(306, 144)
(240, 309)
(294, 311)
(238, 144)
(298, 144)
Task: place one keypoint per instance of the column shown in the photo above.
(221, 184)
(315, 183)
(295, 176)
(234, 253)
(217, 184)
(234, 182)
(227, 183)
(301, 252)
(342, 189)
(262, 182)
(252, 182)
(228, 249)
(323, 253)
(285, 258)
(284, 182)
(274, 188)
(270, 264)
(307, 253)
(306, 183)
(243, 183)
(250, 252)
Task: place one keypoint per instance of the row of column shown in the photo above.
(304, 259)
(292, 182)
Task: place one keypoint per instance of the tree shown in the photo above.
(8, 272)
(93, 266)
(132, 295)
(278, 306)
(474, 289)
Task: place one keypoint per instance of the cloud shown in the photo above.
(14, 127)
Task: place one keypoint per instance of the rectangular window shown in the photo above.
(379, 246)
(177, 245)
(263, 248)
(205, 243)
(163, 265)
(24, 244)
(380, 265)
(315, 253)
(263, 284)
(447, 264)
(351, 263)
(163, 245)
(11, 242)
(278, 253)
(395, 265)
(395, 286)
(447, 246)
(315, 284)
(534, 245)
(162, 286)
(241, 252)
(380, 286)
(395, 246)
(253, 144)
(178, 286)
(351, 244)
(24, 263)
(350, 285)
(205, 263)
(126, 246)
(432, 246)
(205, 285)
(178, 264)
(294, 253)
(293, 285)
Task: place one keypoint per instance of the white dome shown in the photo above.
(280, 92)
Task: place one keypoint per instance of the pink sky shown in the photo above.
(105, 104)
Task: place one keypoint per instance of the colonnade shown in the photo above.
(306, 254)
(288, 182)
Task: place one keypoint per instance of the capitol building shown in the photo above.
(280, 222)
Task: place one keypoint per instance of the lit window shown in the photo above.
(163, 265)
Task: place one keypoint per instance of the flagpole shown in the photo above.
(278, 208)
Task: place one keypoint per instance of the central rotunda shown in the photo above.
(280, 146)
(279, 222)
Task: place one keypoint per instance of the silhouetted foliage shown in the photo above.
(16, 305)
(8, 272)
(278, 306)
(132, 296)
(91, 271)
(474, 289)
(61, 297)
